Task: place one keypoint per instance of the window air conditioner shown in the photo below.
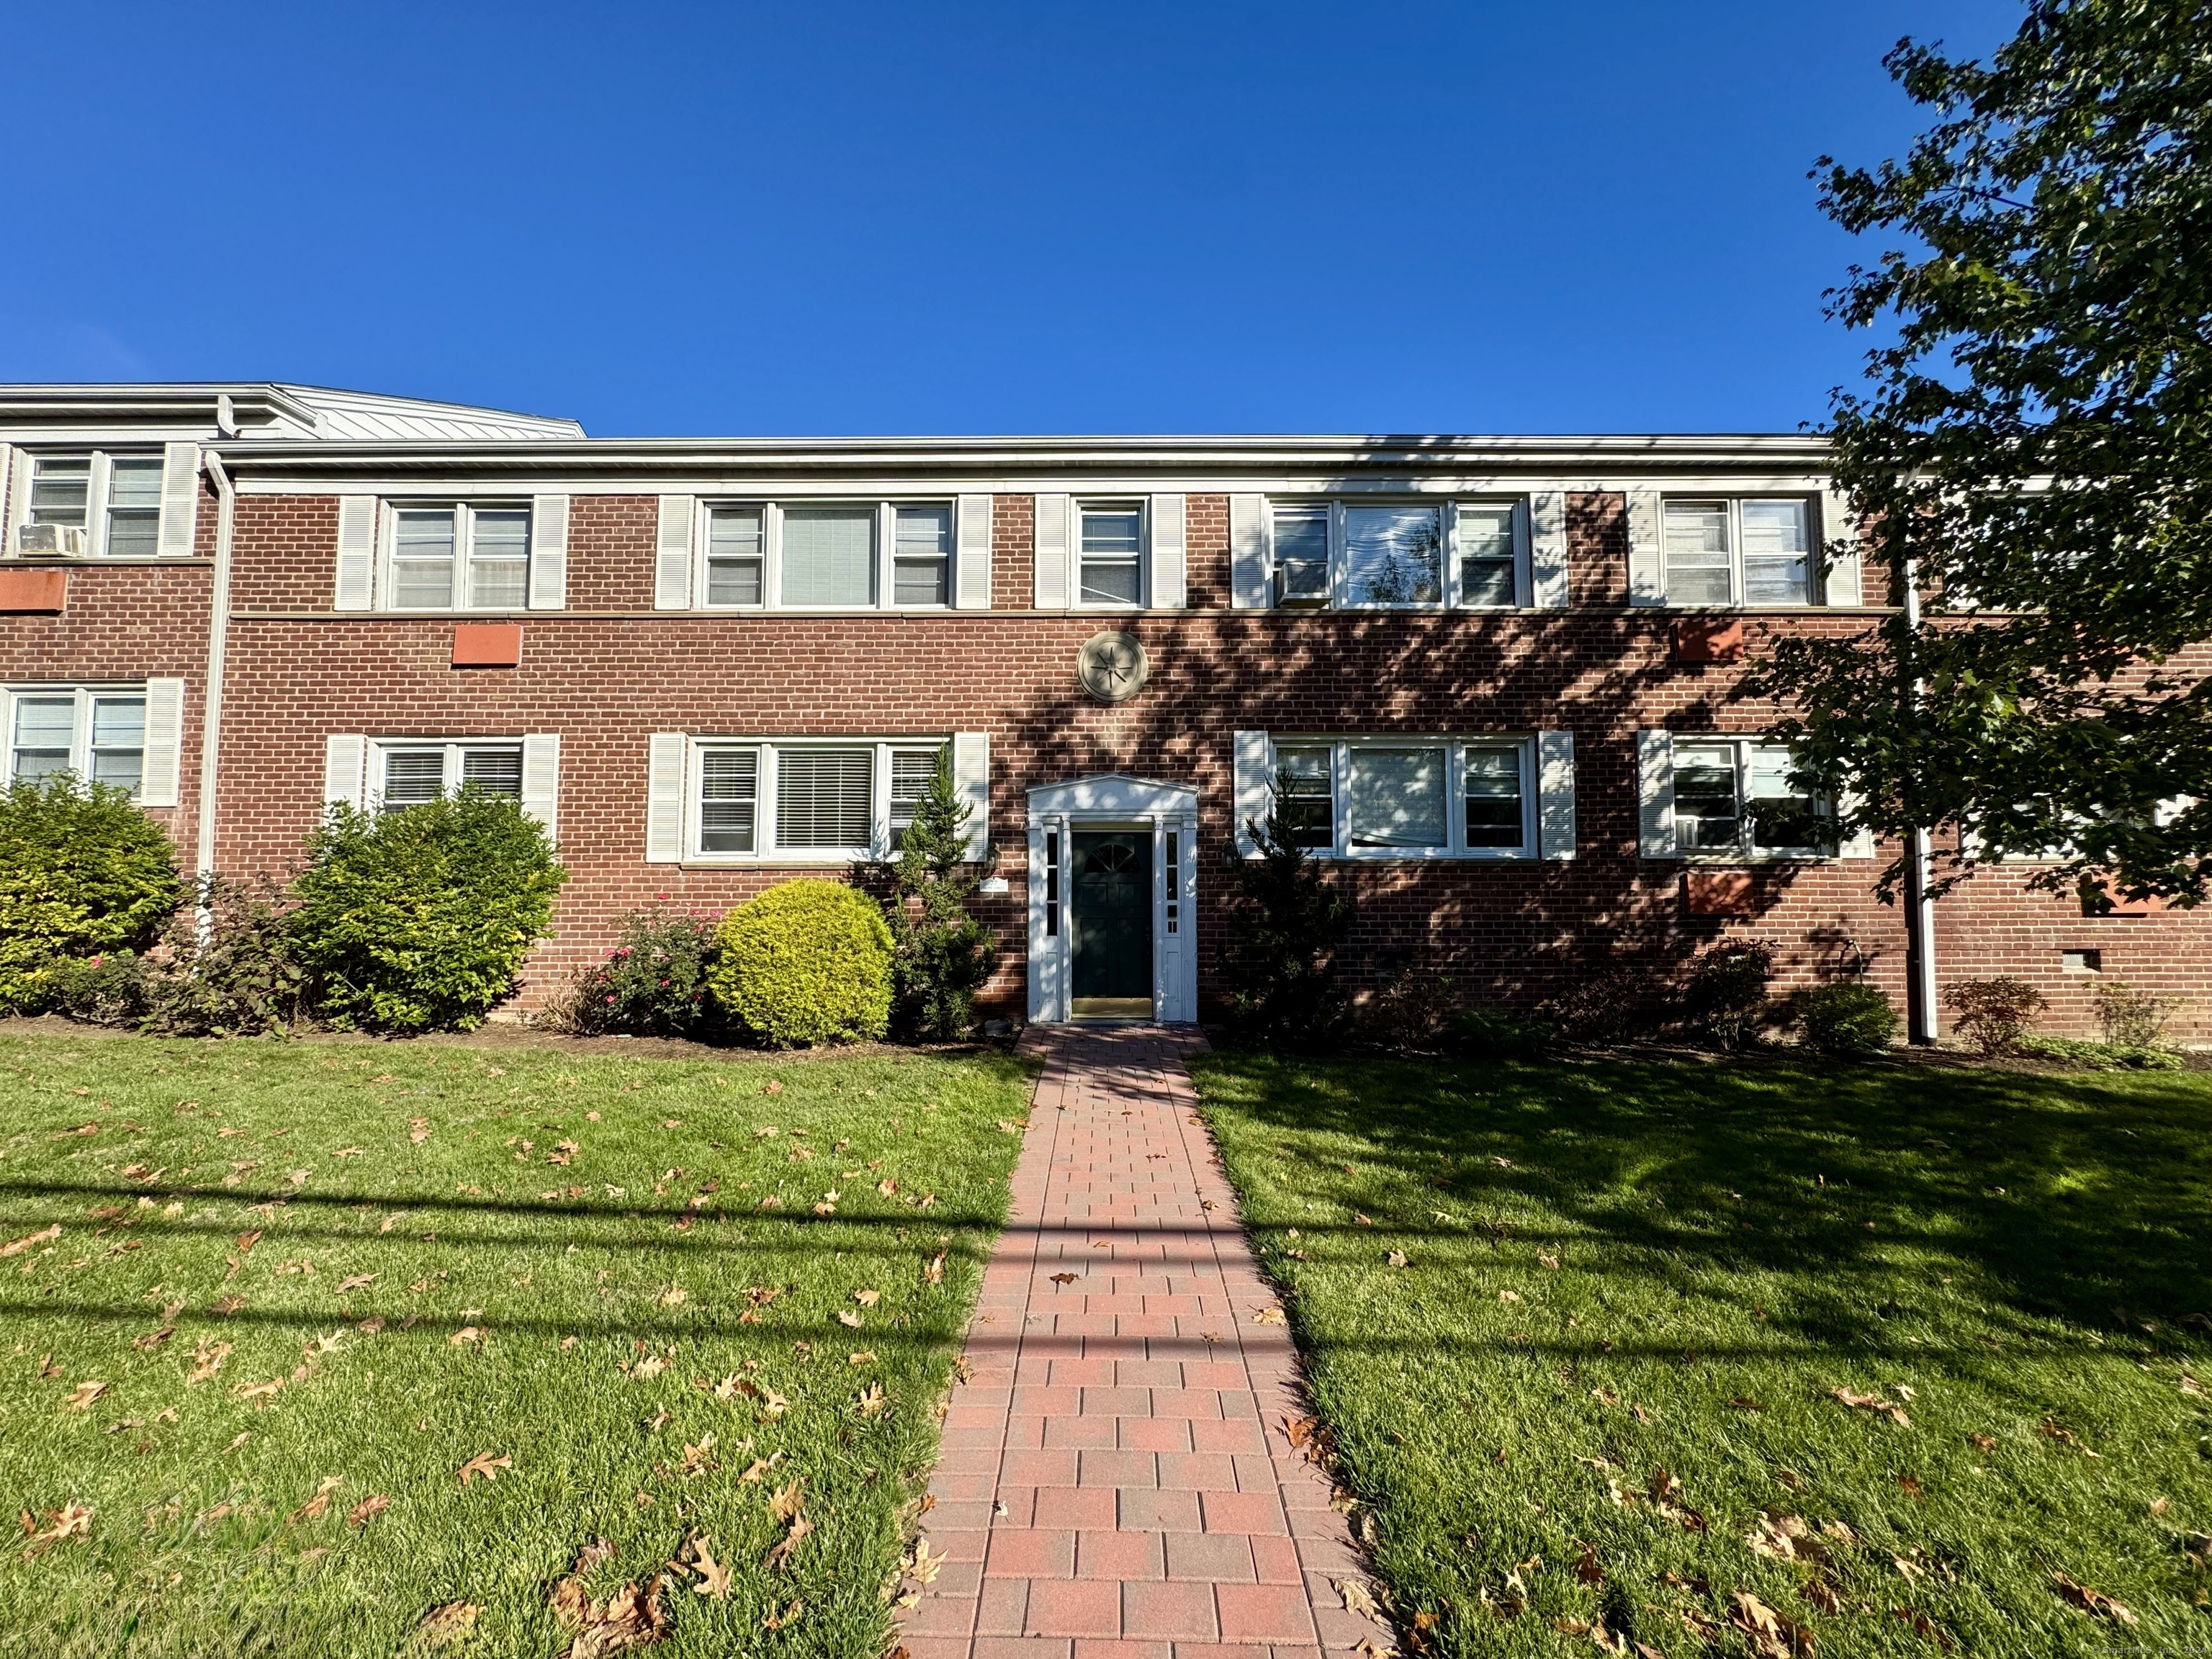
(50, 540)
(1302, 582)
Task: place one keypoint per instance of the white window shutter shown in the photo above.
(356, 553)
(664, 798)
(671, 561)
(1547, 550)
(180, 501)
(1252, 790)
(16, 466)
(1555, 794)
(1050, 582)
(971, 568)
(549, 553)
(165, 736)
(1841, 581)
(1247, 552)
(1859, 843)
(541, 778)
(345, 759)
(1171, 558)
(1647, 568)
(1655, 792)
(971, 777)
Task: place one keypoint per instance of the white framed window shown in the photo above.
(1382, 555)
(101, 504)
(1733, 800)
(1738, 551)
(407, 772)
(826, 801)
(1110, 553)
(95, 732)
(1410, 798)
(828, 554)
(457, 556)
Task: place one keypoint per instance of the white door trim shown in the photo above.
(1113, 801)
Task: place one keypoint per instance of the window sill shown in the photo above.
(776, 860)
(1739, 860)
(1415, 855)
(99, 561)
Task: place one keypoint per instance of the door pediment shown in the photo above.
(1116, 794)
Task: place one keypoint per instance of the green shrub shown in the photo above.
(1726, 998)
(1411, 1012)
(2133, 1018)
(1278, 972)
(1844, 1020)
(84, 873)
(418, 921)
(652, 984)
(1624, 1001)
(1993, 1013)
(2096, 1056)
(1495, 1034)
(808, 962)
(238, 975)
(106, 990)
(940, 954)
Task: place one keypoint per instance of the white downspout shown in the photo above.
(1923, 1020)
(218, 647)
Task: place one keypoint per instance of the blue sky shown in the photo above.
(808, 218)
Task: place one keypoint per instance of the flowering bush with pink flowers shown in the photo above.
(652, 984)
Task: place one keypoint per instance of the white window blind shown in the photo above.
(729, 793)
(735, 555)
(829, 555)
(1111, 566)
(921, 556)
(1487, 553)
(824, 797)
(1394, 799)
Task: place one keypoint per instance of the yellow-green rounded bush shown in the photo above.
(808, 961)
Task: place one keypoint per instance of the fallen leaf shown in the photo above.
(779, 1557)
(1358, 1598)
(1063, 1279)
(1550, 1262)
(355, 1282)
(1508, 1295)
(935, 1273)
(1770, 1635)
(1269, 1316)
(485, 1464)
(872, 1401)
(714, 1576)
(70, 1521)
(16, 1247)
(787, 1503)
(369, 1508)
(315, 1507)
(1395, 1258)
(773, 1086)
(247, 1241)
(921, 1566)
(1873, 1402)
(2092, 1601)
(648, 1367)
(847, 1317)
(446, 1626)
(81, 1396)
(153, 1339)
(465, 1335)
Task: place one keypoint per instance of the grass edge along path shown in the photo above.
(1895, 1360)
(387, 1337)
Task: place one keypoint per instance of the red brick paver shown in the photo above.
(1115, 1463)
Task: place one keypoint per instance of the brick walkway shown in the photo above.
(1115, 1482)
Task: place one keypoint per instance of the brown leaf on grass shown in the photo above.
(258, 1390)
(369, 1508)
(1909, 1484)
(758, 1469)
(1395, 1258)
(786, 1502)
(207, 1360)
(935, 1273)
(700, 1459)
(779, 1557)
(316, 1507)
(1784, 1538)
(1769, 1635)
(2050, 1430)
(355, 1282)
(872, 1401)
(1873, 1402)
(773, 1086)
(81, 1396)
(1664, 1489)
(647, 1368)
(153, 1339)
(446, 1627)
(485, 1464)
(1549, 1263)
(1744, 1402)
(465, 1335)
(16, 1247)
(1923, 1626)
(70, 1521)
(1588, 1568)
(714, 1576)
(2090, 1600)
(850, 1320)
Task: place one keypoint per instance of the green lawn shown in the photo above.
(385, 1261)
(1603, 1389)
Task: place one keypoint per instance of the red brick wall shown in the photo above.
(129, 622)
(1517, 932)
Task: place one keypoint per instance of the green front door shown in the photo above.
(1112, 912)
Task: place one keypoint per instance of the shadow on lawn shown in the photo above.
(2077, 1200)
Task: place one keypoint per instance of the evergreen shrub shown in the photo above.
(806, 963)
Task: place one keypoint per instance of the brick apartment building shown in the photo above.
(1496, 680)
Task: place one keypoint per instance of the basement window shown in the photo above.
(2082, 962)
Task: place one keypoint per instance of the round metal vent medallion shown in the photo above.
(1112, 665)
